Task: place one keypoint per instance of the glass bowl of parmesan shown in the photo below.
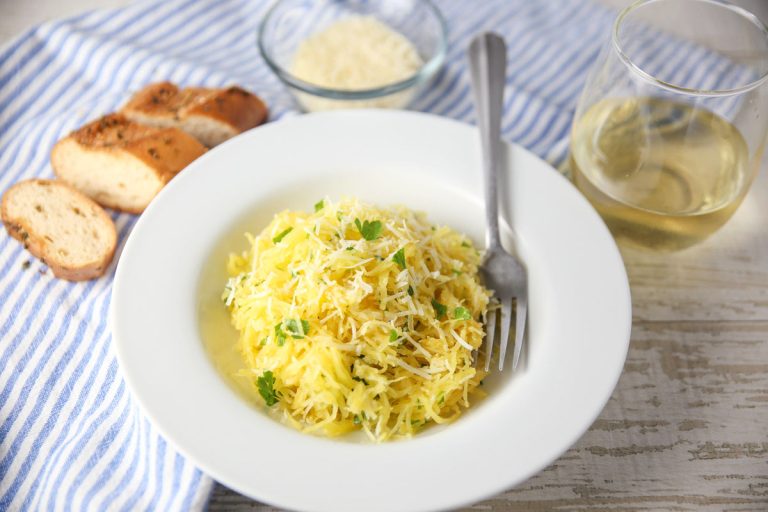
(340, 54)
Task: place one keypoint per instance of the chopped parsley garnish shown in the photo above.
(393, 336)
(319, 205)
(264, 341)
(266, 385)
(440, 309)
(399, 258)
(456, 272)
(410, 290)
(279, 335)
(465, 244)
(462, 313)
(370, 230)
(356, 420)
(282, 235)
(296, 328)
(441, 398)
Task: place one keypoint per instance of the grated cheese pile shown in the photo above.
(356, 317)
(357, 52)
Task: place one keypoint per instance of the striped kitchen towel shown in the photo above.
(70, 436)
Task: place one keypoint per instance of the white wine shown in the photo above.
(662, 174)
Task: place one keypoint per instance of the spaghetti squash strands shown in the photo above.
(342, 320)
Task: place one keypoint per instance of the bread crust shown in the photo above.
(164, 104)
(234, 106)
(164, 151)
(159, 100)
(20, 229)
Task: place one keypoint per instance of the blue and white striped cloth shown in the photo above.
(70, 436)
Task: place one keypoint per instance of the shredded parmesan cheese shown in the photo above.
(353, 318)
(355, 53)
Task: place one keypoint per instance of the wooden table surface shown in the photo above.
(687, 426)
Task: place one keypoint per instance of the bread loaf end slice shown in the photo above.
(62, 227)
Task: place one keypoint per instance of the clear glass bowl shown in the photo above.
(289, 22)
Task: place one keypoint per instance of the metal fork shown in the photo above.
(502, 272)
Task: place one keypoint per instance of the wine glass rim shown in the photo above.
(749, 16)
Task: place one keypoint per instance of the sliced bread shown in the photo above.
(65, 229)
(122, 164)
(210, 115)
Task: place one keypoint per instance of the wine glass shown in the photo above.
(671, 126)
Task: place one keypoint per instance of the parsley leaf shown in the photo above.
(440, 309)
(369, 230)
(399, 258)
(280, 236)
(356, 420)
(410, 290)
(441, 398)
(319, 205)
(462, 313)
(279, 335)
(456, 272)
(266, 385)
(393, 336)
(296, 328)
(465, 244)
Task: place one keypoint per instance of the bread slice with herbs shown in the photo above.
(210, 115)
(65, 229)
(122, 164)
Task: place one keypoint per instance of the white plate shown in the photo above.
(578, 330)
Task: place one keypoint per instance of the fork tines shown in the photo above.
(492, 320)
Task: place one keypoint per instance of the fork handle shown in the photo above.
(488, 63)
